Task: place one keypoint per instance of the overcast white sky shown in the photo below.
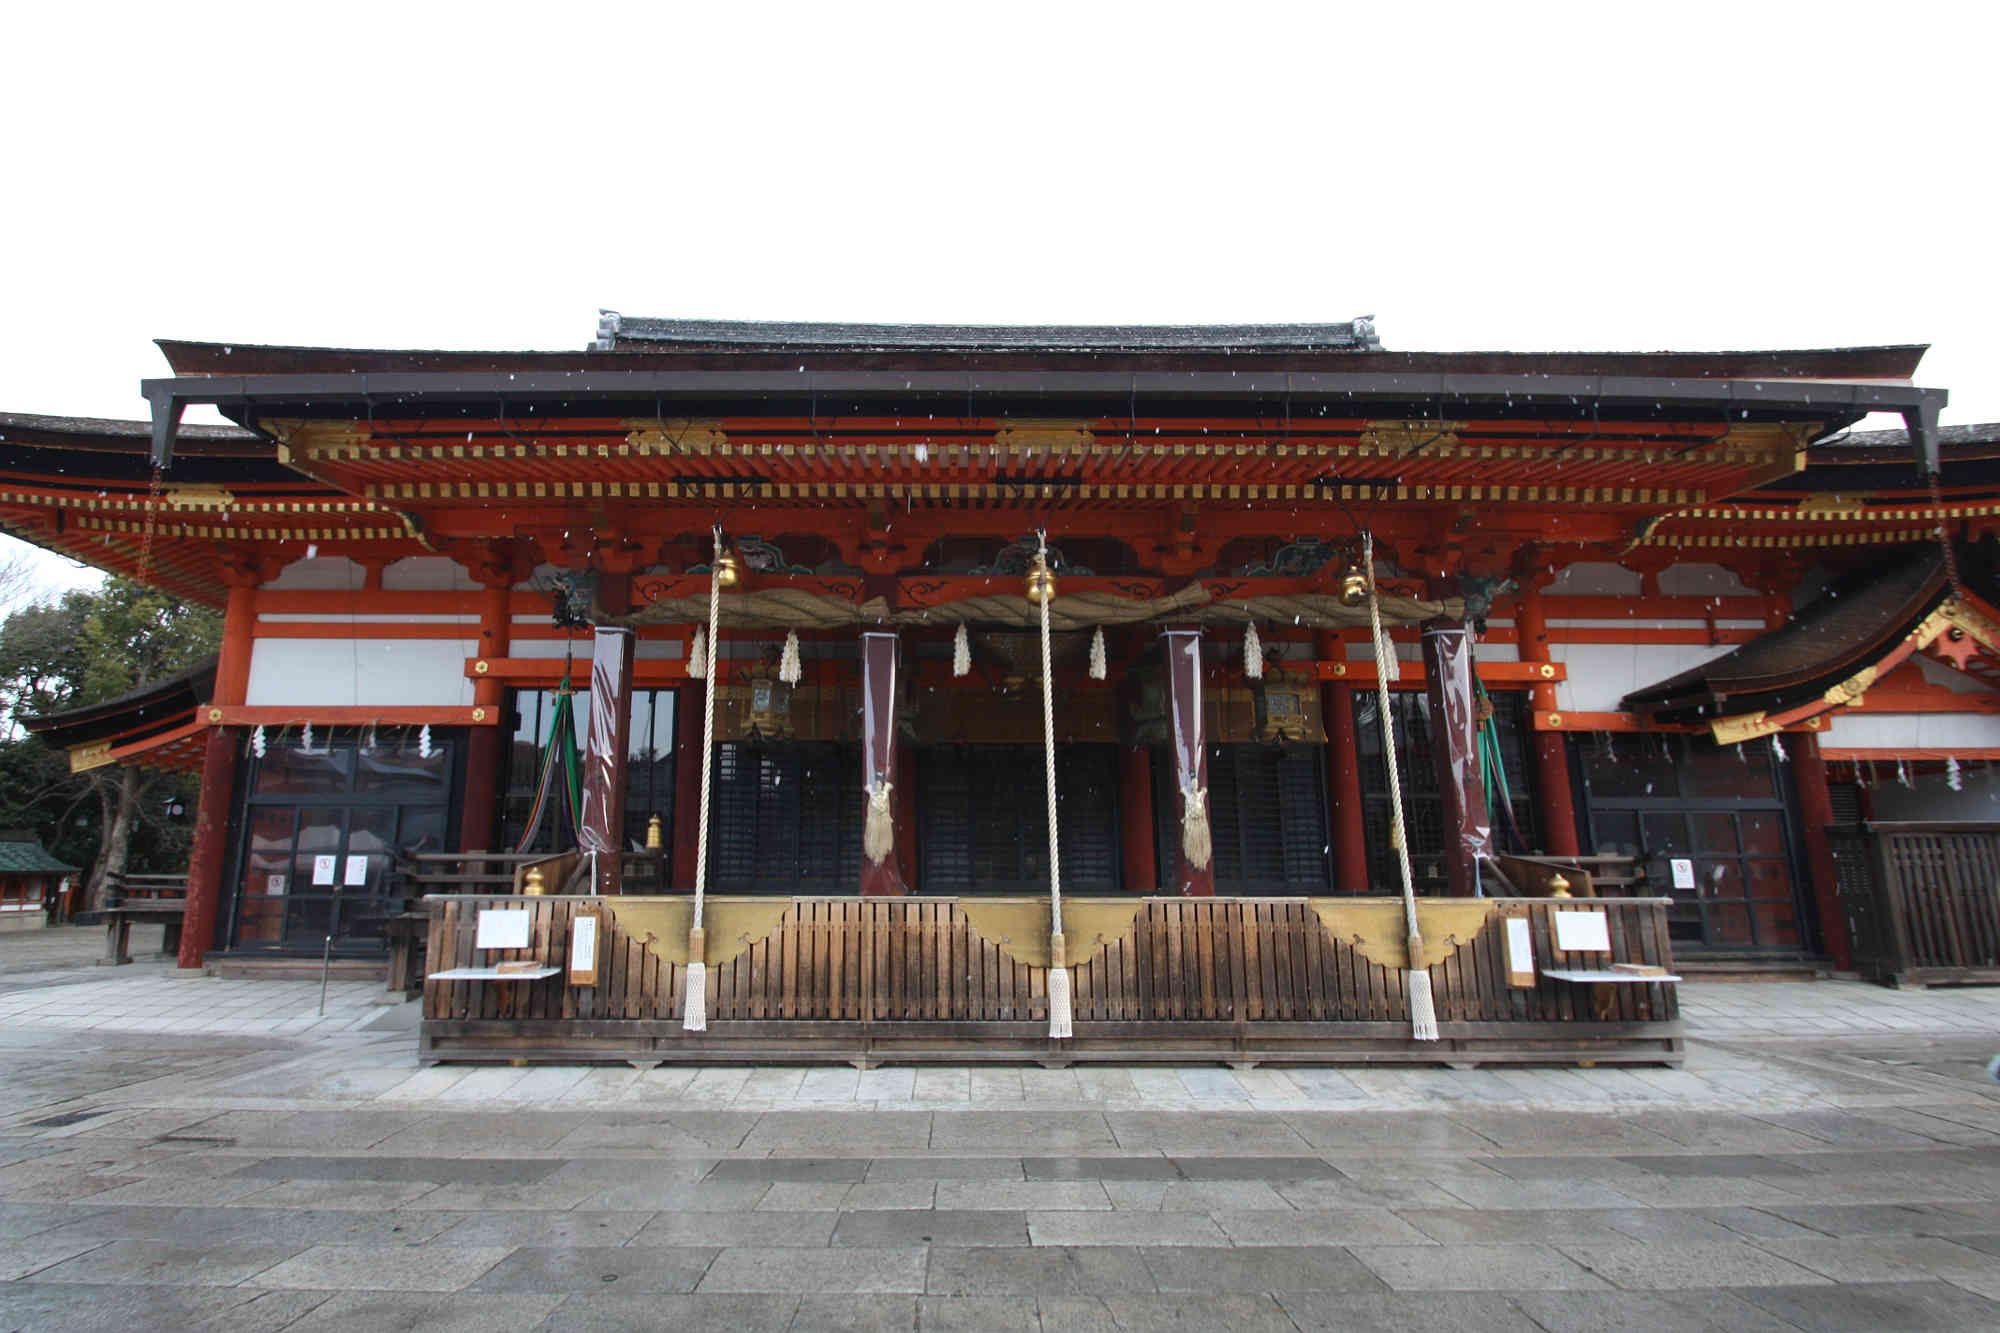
(1479, 176)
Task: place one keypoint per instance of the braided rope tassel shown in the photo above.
(1423, 1007)
(694, 1007)
(790, 670)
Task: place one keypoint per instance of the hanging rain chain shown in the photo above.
(152, 523)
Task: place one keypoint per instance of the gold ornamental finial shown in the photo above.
(1558, 885)
(534, 886)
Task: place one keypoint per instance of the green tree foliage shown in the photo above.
(89, 646)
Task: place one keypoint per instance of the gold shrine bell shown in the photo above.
(1353, 586)
(728, 570)
(1041, 580)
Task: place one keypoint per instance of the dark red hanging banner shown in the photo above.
(1468, 831)
(603, 824)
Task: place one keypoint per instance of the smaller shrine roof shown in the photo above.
(22, 853)
(153, 712)
(1853, 621)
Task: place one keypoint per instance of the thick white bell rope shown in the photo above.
(1059, 997)
(790, 670)
(961, 652)
(1423, 1009)
(694, 1007)
(1253, 652)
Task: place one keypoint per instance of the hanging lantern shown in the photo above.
(655, 834)
(1041, 582)
(728, 571)
(1353, 586)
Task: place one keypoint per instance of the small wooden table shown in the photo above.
(491, 974)
(1597, 978)
(118, 929)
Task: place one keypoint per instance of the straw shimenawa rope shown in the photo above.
(694, 1009)
(1423, 1010)
(1059, 998)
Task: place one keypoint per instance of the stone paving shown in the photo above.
(180, 1154)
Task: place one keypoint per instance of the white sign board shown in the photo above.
(1683, 871)
(274, 885)
(1583, 932)
(323, 869)
(502, 929)
(357, 871)
(1520, 952)
(583, 945)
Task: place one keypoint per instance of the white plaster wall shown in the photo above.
(1594, 578)
(358, 673)
(1912, 731)
(427, 573)
(320, 573)
(326, 618)
(1699, 580)
(646, 650)
(1602, 674)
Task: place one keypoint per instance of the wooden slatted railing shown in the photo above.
(1192, 965)
(1939, 886)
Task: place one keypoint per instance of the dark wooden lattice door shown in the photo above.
(982, 819)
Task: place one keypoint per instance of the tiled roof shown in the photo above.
(25, 855)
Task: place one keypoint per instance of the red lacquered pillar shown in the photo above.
(1552, 787)
(484, 747)
(218, 770)
(1816, 813)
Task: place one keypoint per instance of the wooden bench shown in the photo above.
(132, 897)
(118, 929)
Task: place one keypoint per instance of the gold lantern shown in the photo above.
(655, 834)
(728, 571)
(1041, 586)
